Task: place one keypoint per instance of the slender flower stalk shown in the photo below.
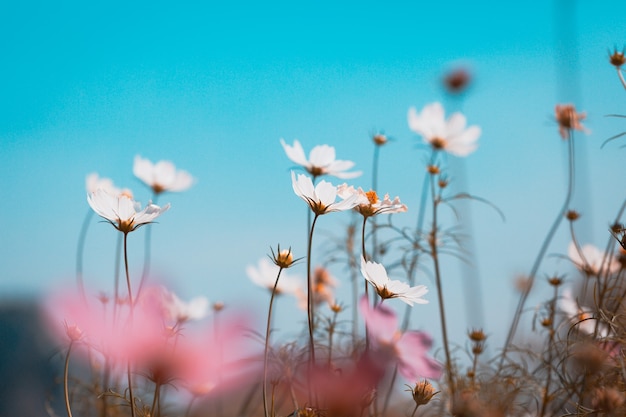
(79, 254)
(542, 251)
(442, 311)
(267, 343)
(65, 380)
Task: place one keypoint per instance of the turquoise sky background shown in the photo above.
(213, 87)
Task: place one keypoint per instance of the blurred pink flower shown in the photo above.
(122, 211)
(409, 350)
(321, 161)
(218, 359)
(135, 338)
(161, 176)
(376, 275)
(320, 198)
(449, 135)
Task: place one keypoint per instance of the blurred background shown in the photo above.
(213, 86)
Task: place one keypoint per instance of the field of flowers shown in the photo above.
(136, 349)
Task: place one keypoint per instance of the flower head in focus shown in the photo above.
(376, 275)
(409, 350)
(450, 135)
(162, 176)
(369, 204)
(321, 160)
(568, 119)
(590, 259)
(122, 211)
(264, 275)
(320, 198)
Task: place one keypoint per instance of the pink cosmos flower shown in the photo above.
(321, 161)
(135, 338)
(409, 350)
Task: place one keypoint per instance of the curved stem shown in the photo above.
(309, 298)
(267, 342)
(542, 251)
(65, 378)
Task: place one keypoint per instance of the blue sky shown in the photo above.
(213, 87)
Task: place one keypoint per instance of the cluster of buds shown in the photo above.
(477, 337)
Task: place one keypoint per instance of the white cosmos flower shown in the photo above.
(449, 135)
(94, 181)
(591, 259)
(580, 316)
(122, 211)
(368, 202)
(321, 160)
(376, 275)
(162, 176)
(264, 275)
(321, 198)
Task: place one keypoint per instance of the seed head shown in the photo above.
(380, 139)
(282, 258)
(423, 392)
(433, 169)
(457, 80)
(572, 215)
(218, 306)
(617, 58)
(568, 119)
(555, 281)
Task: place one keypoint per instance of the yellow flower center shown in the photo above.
(372, 197)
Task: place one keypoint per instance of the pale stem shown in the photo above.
(155, 400)
(267, 343)
(147, 251)
(442, 314)
(621, 77)
(364, 254)
(116, 276)
(542, 251)
(65, 383)
(79, 254)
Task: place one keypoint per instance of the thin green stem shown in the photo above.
(542, 250)
(65, 378)
(442, 313)
(267, 343)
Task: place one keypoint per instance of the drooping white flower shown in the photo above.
(368, 202)
(122, 211)
(582, 317)
(376, 275)
(264, 275)
(450, 135)
(590, 258)
(321, 160)
(321, 198)
(162, 176)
